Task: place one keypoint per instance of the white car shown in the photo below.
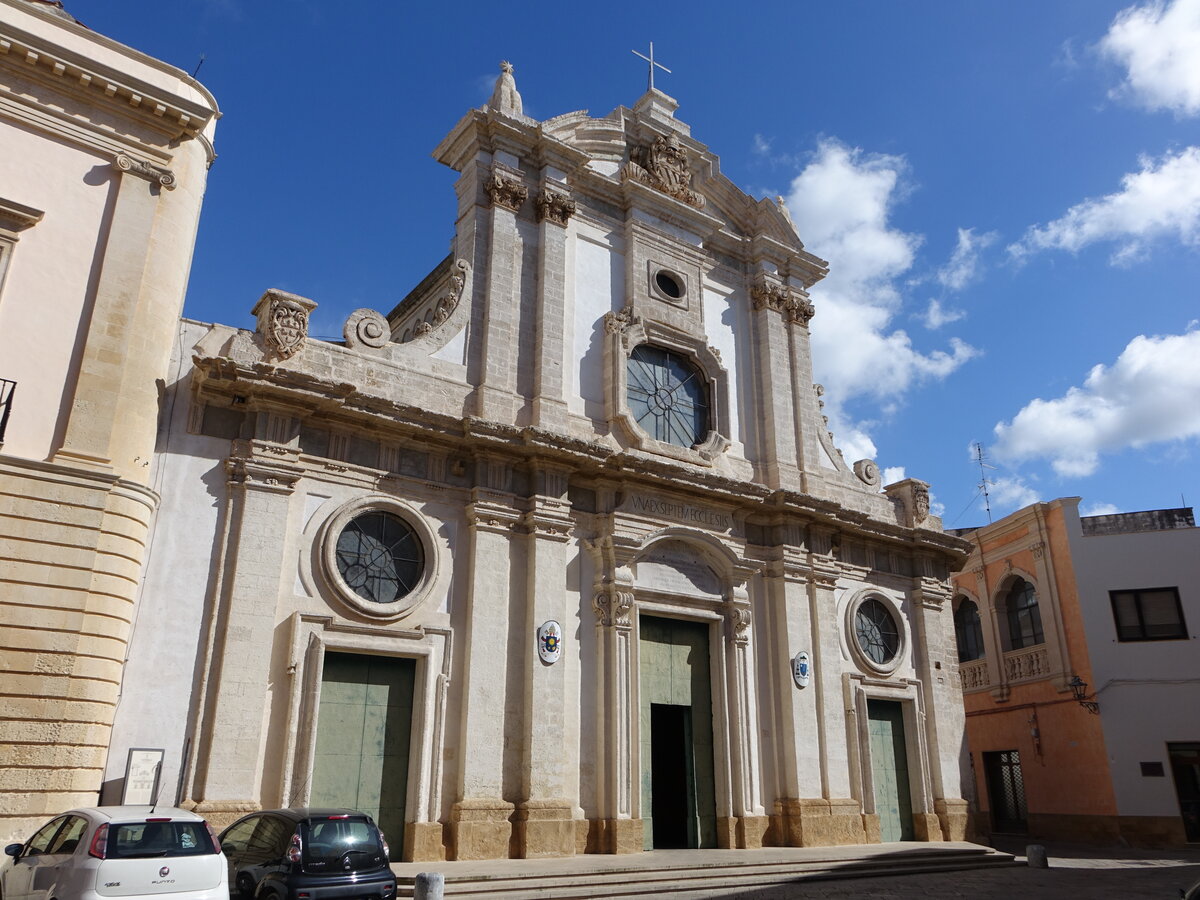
(117, 851)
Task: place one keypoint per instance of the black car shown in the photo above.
(281, 854)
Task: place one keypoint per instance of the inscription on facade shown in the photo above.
(700, 516)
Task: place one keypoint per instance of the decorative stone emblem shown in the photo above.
(505, 190)
(867, 472)
(549, 637)
(366, 328)
(920, 503)
(556, 207)
(283, 321)
(447, 303)
(159, 175)
(802, 669)
(664, 166)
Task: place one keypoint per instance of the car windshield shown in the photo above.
(340, 845)
(139, 840)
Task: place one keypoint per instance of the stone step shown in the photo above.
(716, 874)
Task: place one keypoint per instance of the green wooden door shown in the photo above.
(676, 714)
(363, 728)
(889, 769)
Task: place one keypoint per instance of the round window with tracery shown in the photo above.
(876, 632)
(380, 557)
(667, 395)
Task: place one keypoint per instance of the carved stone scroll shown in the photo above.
(506, 191)
(159, 175)
(366, 328)
(555, 207)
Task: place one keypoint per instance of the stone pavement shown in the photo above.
(1075, 873)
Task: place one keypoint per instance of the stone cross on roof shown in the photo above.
(650, 59)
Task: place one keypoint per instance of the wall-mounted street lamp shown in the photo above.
(1079, 689)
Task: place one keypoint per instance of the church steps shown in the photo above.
(536, 880)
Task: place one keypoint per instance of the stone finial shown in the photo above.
(506, 98)
(283, 321)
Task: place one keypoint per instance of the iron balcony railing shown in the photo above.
(7, 389)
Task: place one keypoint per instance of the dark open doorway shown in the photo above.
(673, 776)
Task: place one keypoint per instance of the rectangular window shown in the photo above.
(1153, 614)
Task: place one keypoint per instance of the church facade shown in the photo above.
(558, 555)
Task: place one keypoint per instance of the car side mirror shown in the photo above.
(13, 850)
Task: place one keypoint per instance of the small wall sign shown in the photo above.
(142, 771)
(802, 669)
(549, 637)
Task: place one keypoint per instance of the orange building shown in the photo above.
(1047, 598)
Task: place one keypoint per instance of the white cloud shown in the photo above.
(937, 315)
(892, 474)
(1011, 492)
(1159, 201)
(1100, 509)
(841, 203)
(762, 145)
(1159, 46)
(963, 267)
(1147, 396)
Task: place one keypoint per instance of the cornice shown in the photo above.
(118, 93)
(16, 217)
(221, 378)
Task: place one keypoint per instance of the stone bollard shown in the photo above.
(429, 886)
(1035, 857)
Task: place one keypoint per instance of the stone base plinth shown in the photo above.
(424, 842)
(615, 836)
(821, 823)
(481, 829)
(954, 816)
(544, 828)
(751, 832)
(926, 827)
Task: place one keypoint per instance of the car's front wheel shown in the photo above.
(245, 886)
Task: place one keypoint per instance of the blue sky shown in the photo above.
(1008, 194)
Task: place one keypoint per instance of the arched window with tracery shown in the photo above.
(969, 631)
(1023, 616)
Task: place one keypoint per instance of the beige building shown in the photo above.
(558, 555)
(103, 159)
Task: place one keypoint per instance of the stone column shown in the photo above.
(777, 407)
(742, 711)
(835, 817)
(93, 418)
(480, 825)
(797, 738)
(500, 344)
(230, 731)
(555, 208)
(544, 821)
(935, 650)
(613, 602)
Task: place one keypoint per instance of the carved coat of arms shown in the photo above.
(664, 165)
(287, 327)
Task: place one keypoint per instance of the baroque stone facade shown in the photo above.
(572, 523)
(104, 153)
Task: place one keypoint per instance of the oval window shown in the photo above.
(669, 285)
(876, 632)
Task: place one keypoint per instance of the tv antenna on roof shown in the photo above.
(650, 59)
(984, 481)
